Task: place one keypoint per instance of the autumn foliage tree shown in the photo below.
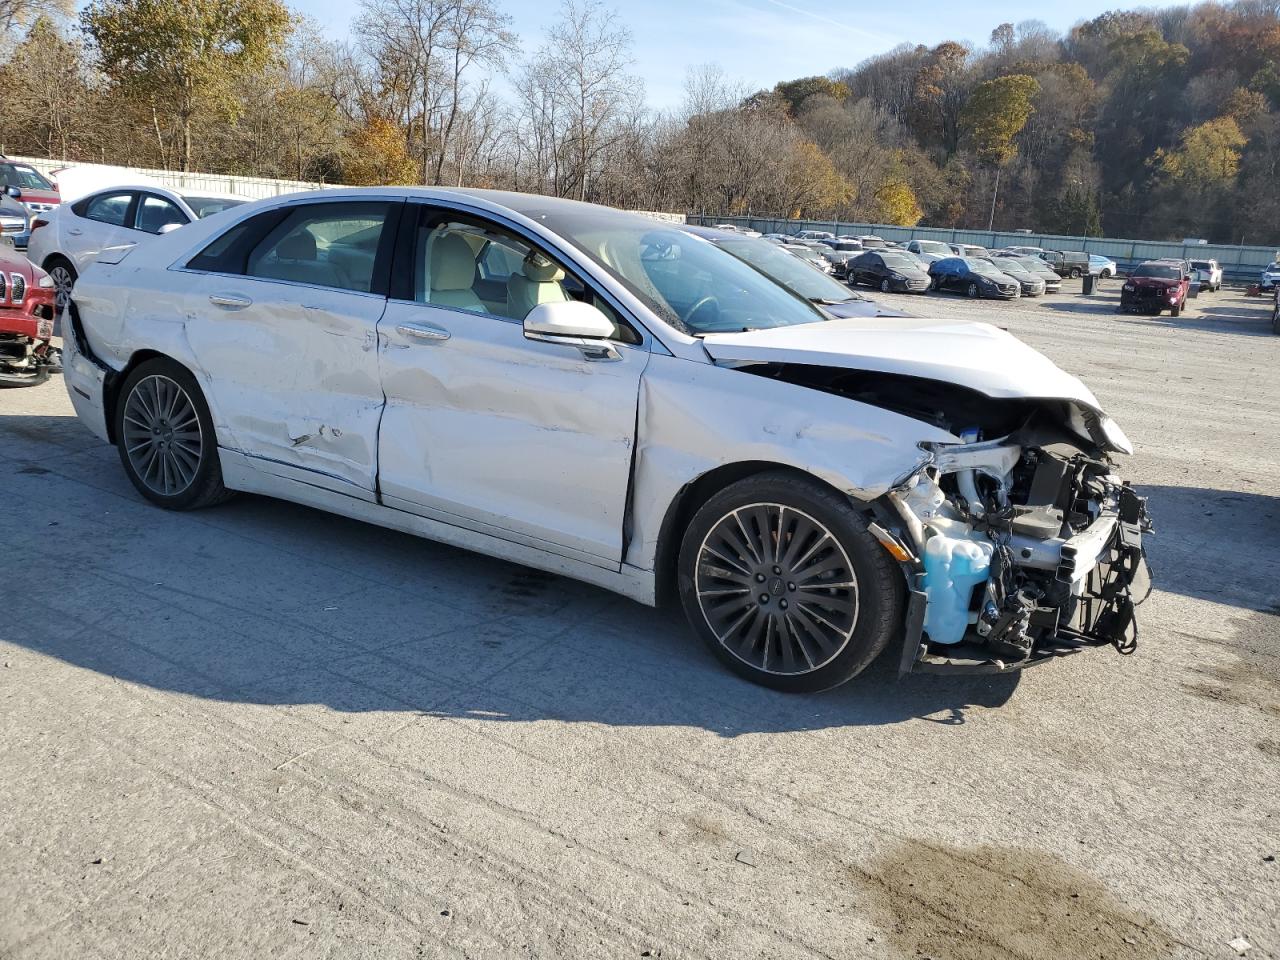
(182, 56)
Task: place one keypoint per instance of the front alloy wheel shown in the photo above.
(884, 286)
(973, 291)
(780, 577)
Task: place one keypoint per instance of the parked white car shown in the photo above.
(608, 397)
(1105, 267)
(1210, 274)
(67, 239)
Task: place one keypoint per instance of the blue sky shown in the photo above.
(759, 42)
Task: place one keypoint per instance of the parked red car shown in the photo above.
(39, 194)
(26, 321)
(1155, 286)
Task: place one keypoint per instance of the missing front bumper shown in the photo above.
(1104, 566)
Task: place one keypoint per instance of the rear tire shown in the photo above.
(780, 578)
(64, 278)
(1075, 273)
(165, 437)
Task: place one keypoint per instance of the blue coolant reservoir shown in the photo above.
(956, 560)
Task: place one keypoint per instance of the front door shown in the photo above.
(526, 440)
(285, 325)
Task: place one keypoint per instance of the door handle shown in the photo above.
(75, 232)
(422, 331)
(229, 301)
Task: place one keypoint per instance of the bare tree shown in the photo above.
(588, 53)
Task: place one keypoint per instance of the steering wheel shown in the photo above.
(699, 305)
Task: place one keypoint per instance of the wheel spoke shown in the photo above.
(777, 588)
(162, 438)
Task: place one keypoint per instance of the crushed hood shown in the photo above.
(974, 355)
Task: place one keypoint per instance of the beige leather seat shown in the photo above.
(537, 282)
(295, 259)
(453, 272)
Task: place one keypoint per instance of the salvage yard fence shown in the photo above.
(251, 188)
(1239, 263)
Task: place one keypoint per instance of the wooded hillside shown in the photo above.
(1156, 124)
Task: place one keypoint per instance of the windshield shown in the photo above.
(900, 260)
(688, 281)
(1159, 271)
(982, 267)
(22, 177)
(207, 206)
(1032, 264)
(780, 266)
(1201, 264)
(873, 243)
(1273, 266)
(934, 246)
(1008, 263)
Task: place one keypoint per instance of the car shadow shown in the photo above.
(1218, 545)
(265, 602)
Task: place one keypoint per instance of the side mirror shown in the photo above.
(574, 324)
(11, 191)
(169, 228)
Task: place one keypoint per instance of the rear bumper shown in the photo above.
(86, 377)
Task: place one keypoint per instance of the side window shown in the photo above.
(326, 244)
(155, 213)
(467, 264)
(110, 208)
(227, 252)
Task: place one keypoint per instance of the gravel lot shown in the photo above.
(262, 731)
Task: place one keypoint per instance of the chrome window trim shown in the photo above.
(284, 283)
(652, 329)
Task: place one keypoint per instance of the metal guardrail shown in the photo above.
(1239, 263)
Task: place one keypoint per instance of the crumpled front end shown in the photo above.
(1022, 549)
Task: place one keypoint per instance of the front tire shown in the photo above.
(165, 437)
(973, 291)
(1175, 311)
(785, 585)
(884, 286)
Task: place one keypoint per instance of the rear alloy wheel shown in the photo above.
(784, 583)
(1075, 273)
(884, 286)
(63, 276)
(166, 439)
(973, 291)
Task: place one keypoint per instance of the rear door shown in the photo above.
(97, 222)
(284, 322)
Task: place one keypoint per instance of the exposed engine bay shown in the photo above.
(1021, 543)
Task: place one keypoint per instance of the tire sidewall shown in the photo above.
(880, 583)
(209, 467)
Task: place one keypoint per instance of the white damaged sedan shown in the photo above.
(607, 397)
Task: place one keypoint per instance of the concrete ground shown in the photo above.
(262, 731)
